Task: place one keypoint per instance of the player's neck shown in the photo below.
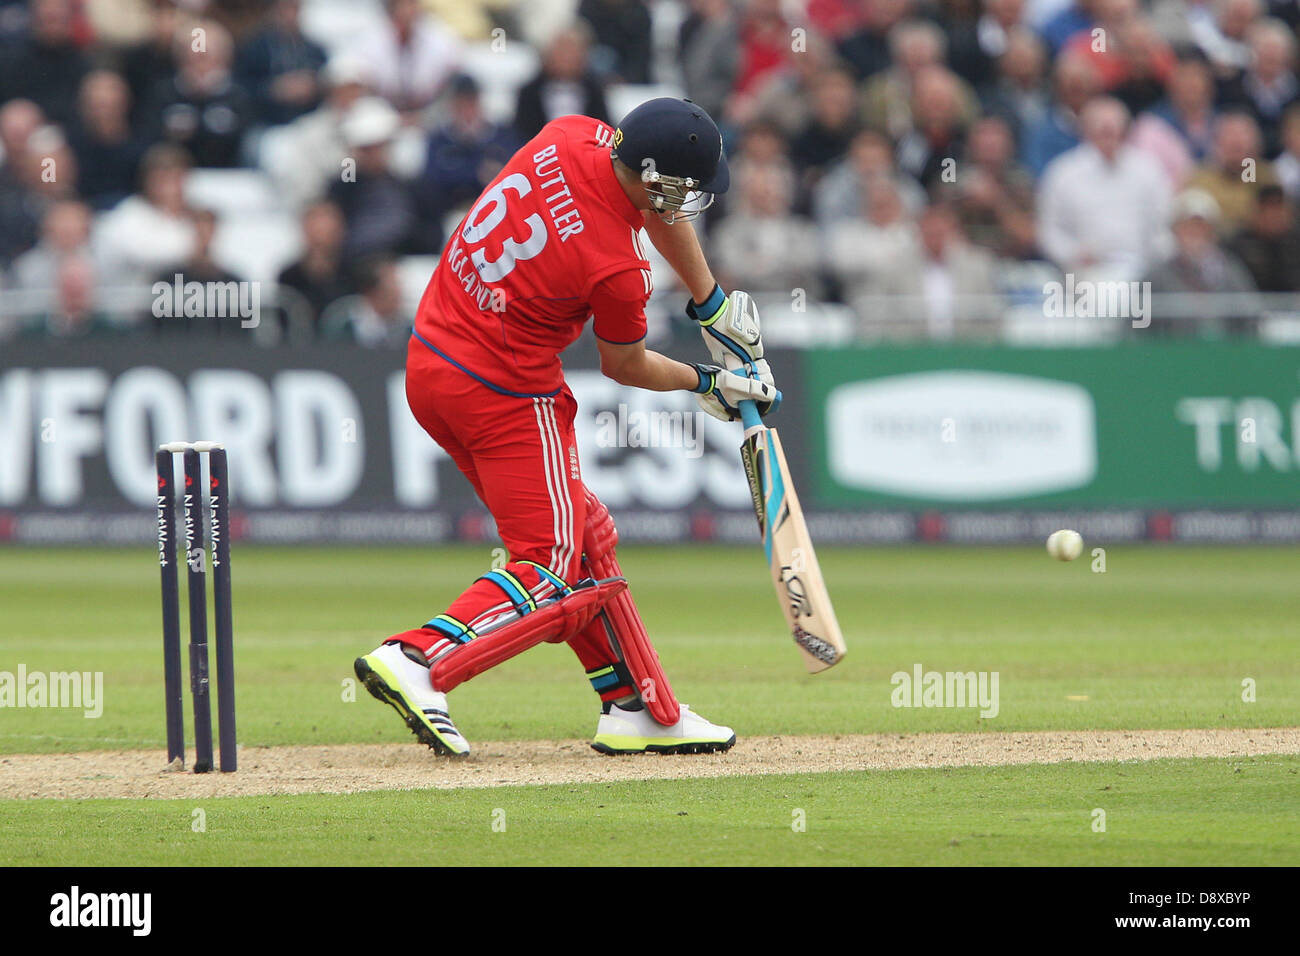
(630, 183)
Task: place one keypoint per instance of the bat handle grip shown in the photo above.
(749, 415)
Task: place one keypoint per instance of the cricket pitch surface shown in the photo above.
(351, 768)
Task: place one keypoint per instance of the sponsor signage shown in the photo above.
(1179, 426)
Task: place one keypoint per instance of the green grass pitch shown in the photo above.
(1163, 639)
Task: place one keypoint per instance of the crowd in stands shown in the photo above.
(905, 158)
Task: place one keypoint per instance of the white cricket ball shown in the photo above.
(1065, 545)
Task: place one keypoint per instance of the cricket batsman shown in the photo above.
(555, 240)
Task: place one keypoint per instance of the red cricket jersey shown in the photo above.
(552, 241)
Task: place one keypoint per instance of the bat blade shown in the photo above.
(796, 575)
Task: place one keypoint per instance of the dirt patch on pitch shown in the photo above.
(353, 768)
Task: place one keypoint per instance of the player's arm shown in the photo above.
(720, 391)
(728, 323)
(634, 364)
(618, 319)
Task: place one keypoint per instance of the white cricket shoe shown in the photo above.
(636, 732)
(395, 679)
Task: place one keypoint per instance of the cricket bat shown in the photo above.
(796, 576)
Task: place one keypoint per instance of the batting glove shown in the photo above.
(720, 392)
(730, 328)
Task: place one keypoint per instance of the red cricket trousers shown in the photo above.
(521, 455)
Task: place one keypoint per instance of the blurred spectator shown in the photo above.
(938, 283)
(46, 66)
(928, 151)
(379, 208)
(565, 85)
(319, 275)
(1038, 13)
(876, 237)
(887, 97)
(853, 122)
(312, 148)
(708, 47)
(464, 154)
(623, 32)
(65, 232)
(107, 149)
(278, 67)
(44, 172)
(836, 19)
(1179, 131)
(117, 24)
(1223, 39)
(20, 207)
(412, 57)
(764, 44)
(73, 313)
(1184, 23)
(979, 37)
(1285, 10)
(1075, 82)
(783, 97)
(202, 108)
(1287, 166)
(761, 145)
(1077, 17)
(1268, 86)
(1103, 206)
(18, 120)
(994, 196)
(1016, 91)
(831, 123)
(1269, 246)
(1236, 172)
(199, 266)
(844, 192)
(1130, 59)
(1148, 65)
(1187, 288)
(867, 49)
(762, 246)
(151, 65)
(475, 19)
(374, 317)
(148, 233)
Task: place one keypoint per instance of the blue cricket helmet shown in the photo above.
(676, 147)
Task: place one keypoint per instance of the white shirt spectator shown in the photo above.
(1287, 169)
(409, 76)
(841, 193)
(136, 242)
(861, 253)
(767, 253)
(1106, 218)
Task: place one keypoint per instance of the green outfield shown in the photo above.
(1183, 812)
(1165, 638)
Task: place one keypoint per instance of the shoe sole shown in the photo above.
(381, 690)
(684, 747)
